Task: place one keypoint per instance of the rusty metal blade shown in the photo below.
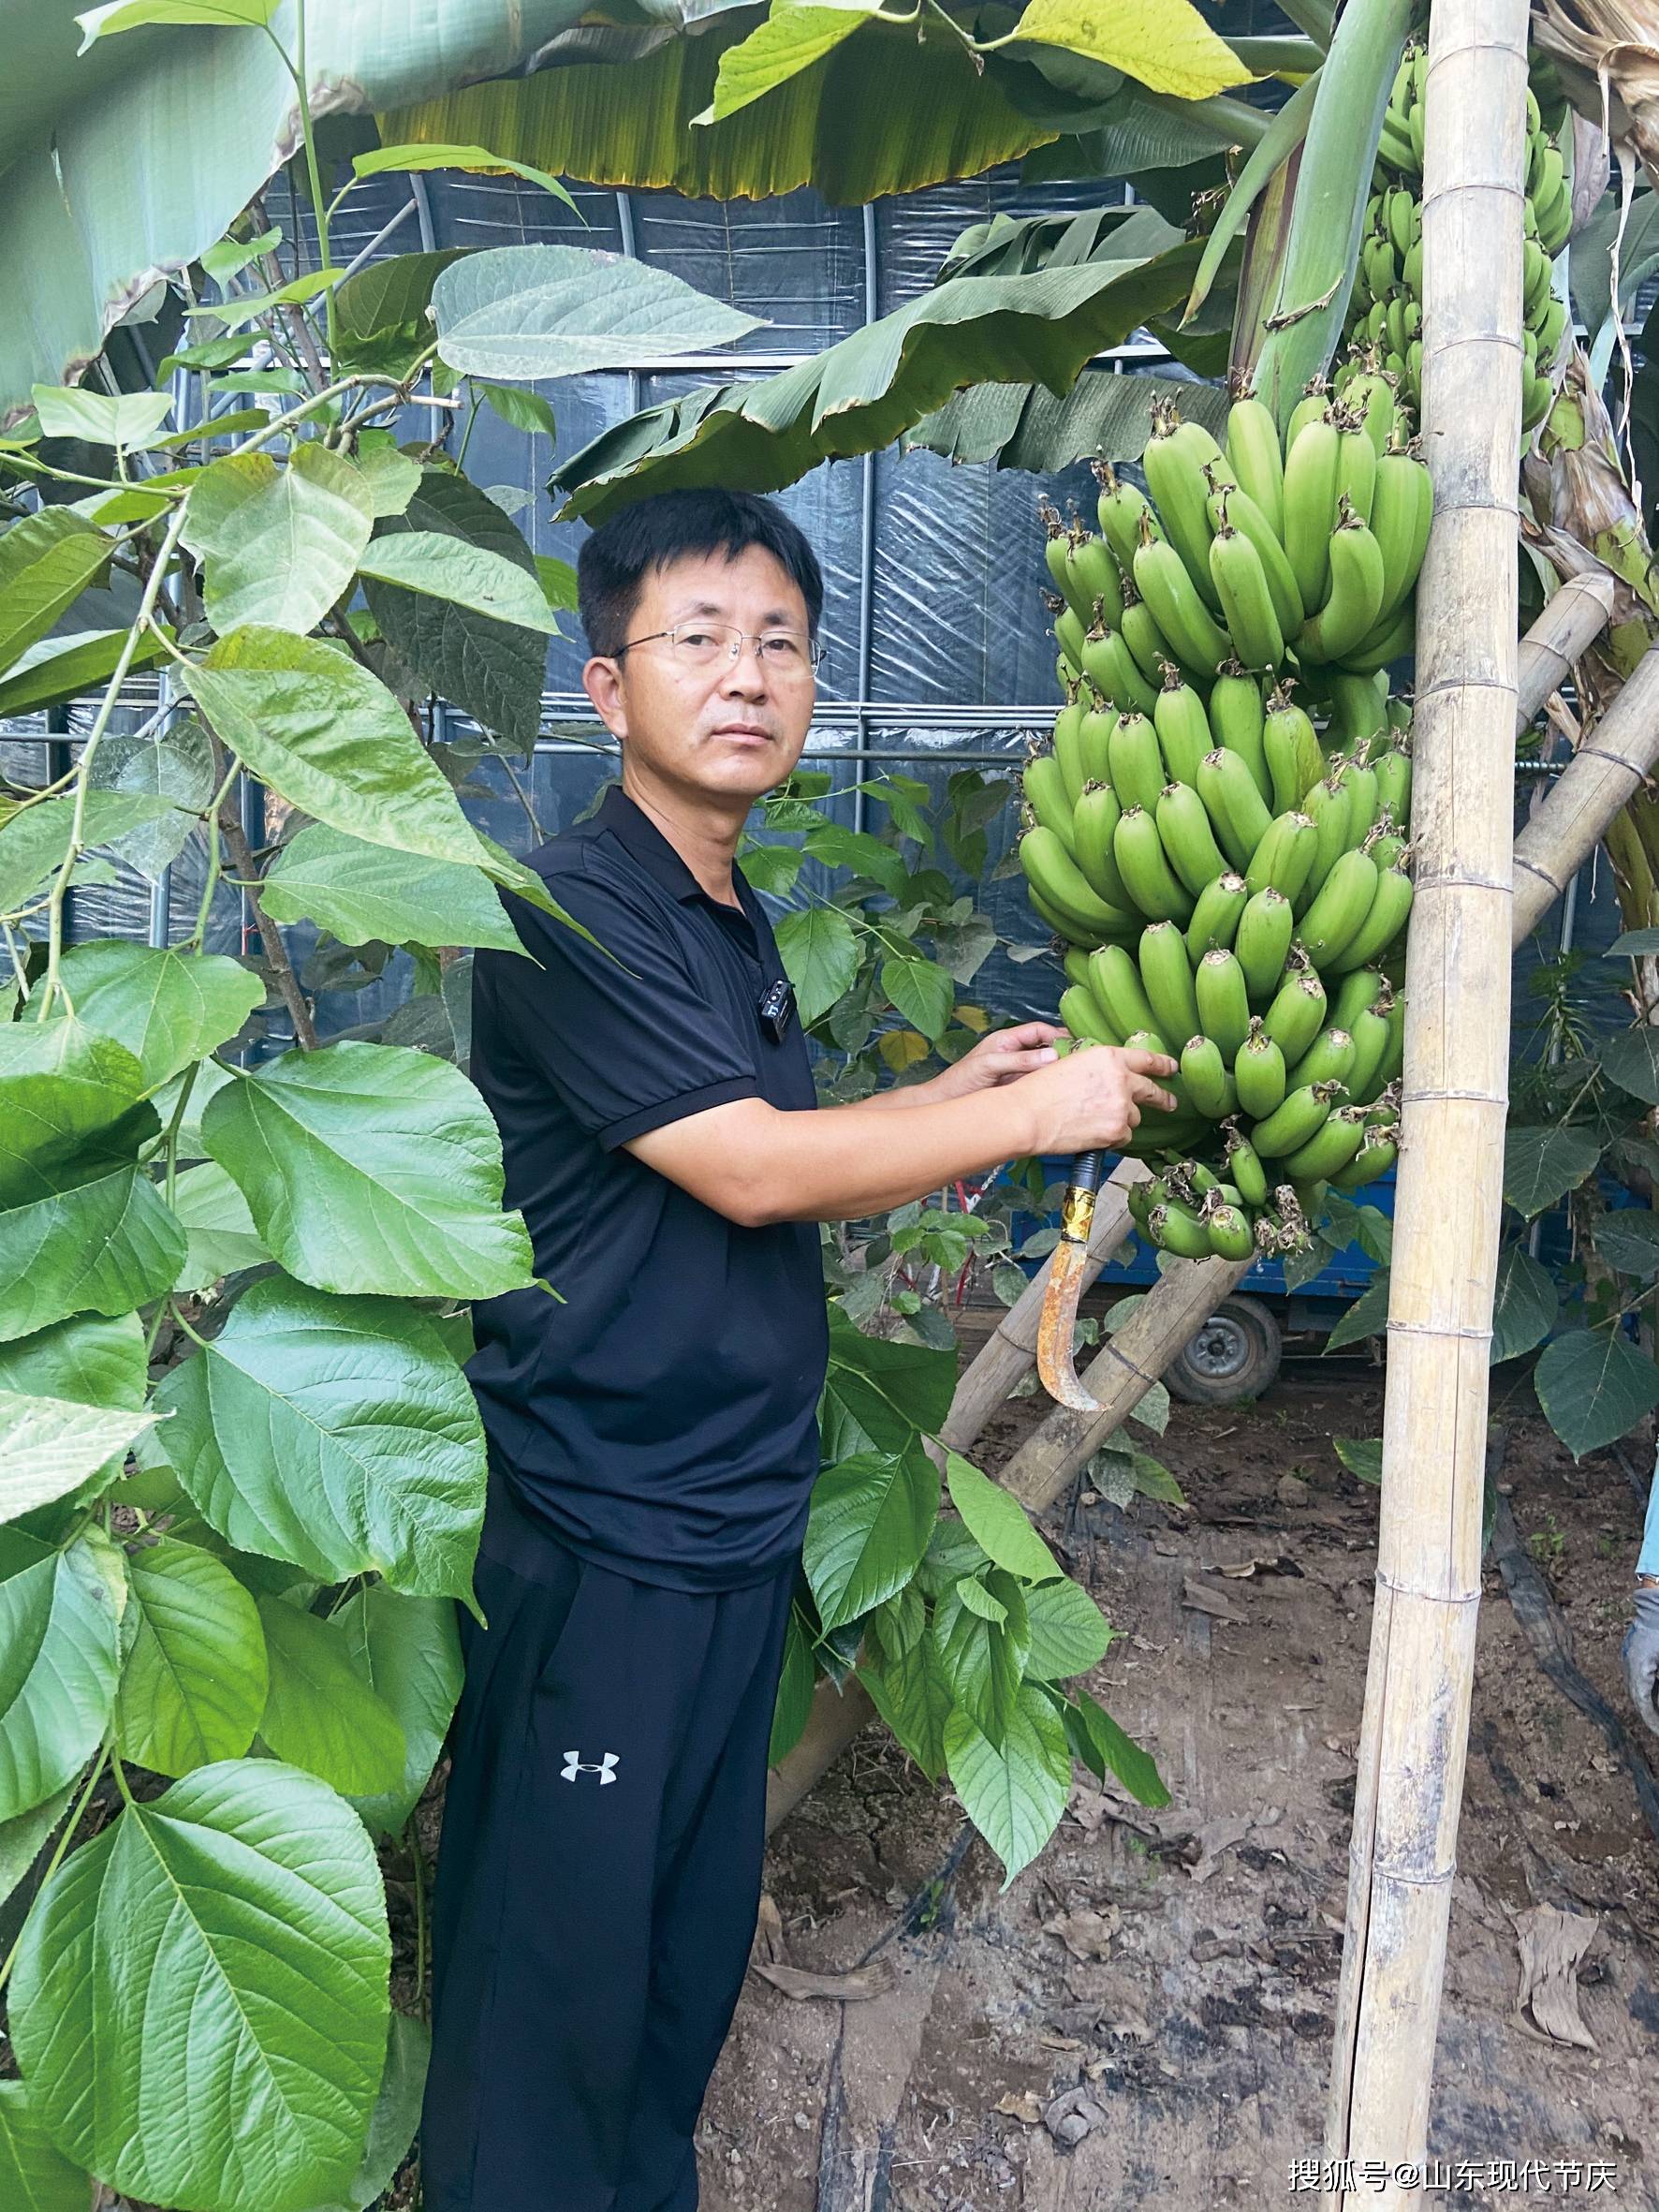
(1056, 1363)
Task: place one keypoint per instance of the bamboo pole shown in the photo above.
(1570, 624)
(1613, 761)
(1414, 1733)
(1010, 1351)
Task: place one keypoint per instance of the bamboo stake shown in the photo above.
(1010, 1351)
(1613, 761)
(1413, 1734)
(1570, 624)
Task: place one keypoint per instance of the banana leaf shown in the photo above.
(874, 387)
(1104, 415)
(881, 111)
(203, 117)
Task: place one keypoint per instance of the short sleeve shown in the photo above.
(626, 1034)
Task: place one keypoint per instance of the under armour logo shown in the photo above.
(606, 1767)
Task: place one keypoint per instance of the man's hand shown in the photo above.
(1003, 1056)
(1093, 1099)
(1640, 1654)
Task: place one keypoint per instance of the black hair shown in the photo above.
(615, 561)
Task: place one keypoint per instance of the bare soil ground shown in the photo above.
(1146, 2014)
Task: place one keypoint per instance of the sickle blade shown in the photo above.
(1056, 1325)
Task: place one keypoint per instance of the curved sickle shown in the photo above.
(1056, 1327)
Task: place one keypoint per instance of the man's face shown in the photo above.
(733, 729)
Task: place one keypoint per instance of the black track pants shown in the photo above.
(598, 1880)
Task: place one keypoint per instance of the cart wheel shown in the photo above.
(1234, 1355)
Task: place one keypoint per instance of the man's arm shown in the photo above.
(757, 1164)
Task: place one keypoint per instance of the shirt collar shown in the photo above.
(640, 839)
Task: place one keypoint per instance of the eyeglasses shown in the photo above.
(699, 645)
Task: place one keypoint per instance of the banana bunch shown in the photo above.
(1386, 313)
(1228, 893)
(1299, 558)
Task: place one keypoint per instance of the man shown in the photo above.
(653, 1437)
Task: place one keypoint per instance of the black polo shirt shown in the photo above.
(663, 1421)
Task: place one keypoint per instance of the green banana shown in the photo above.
(1094, 734)
(1356, 574)
(1079, 1014)
(1231, 1236)
(1296, 1015)
(1057, 554)
(1183, 824)
(1361, 780)
(1111, 668)
(1291, 750)
(1223, 1006)
(1068, 635)
(1237, 808)
(1173, 1229)
(1374, 1157)
(1340, 905)
(1145, 869)
(1207, 1085)
(1136, 763)
(1401, 510)
(1167, 978)
(1356, 463)
(1163, 580)
(1182, 726)
(1148, 648)
(1263, 941)
(1077, 934)
(1245, 1168)
(1311, 407)
(1327, 804)
(1330, 1148)
(1095, 823)
(1096, 573)
(1259, 1073)
(1310, 509)
(1068, 749)
(1381, 924)
(1175, 480)
(1121, 508)
(1045, 794)
(1253, 449)
(1295, 1122)
(1053, 872)
(1329, 1059)
(1359, 991)
(1370, 1032)
(1236, 722)
(1236, 508)
(1284, 856)
(1241, 583)
(1215, 917)
(1115, 980)
(1075, 964)
(1391, 639)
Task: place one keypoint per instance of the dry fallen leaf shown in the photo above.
(1087, 1935)
(1051, 2039)
(797, 1981)
(1026, 2107)
(1552, 1945)
(1194, 1593)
